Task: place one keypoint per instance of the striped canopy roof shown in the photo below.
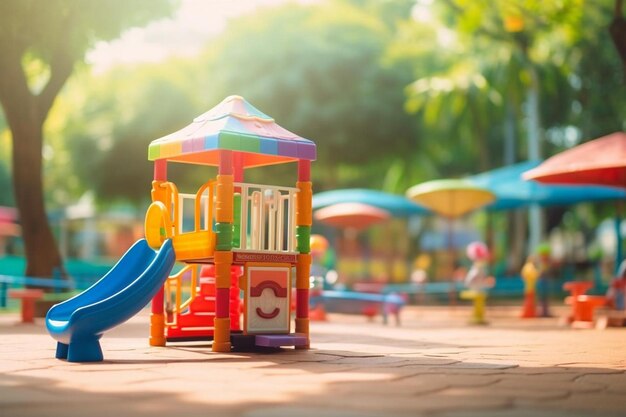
(234, 125)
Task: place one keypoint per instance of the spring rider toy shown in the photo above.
(477, 281)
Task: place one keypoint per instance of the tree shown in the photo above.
(116, 114)
(321, 72)
(40, 44)
(599, 105)
(617, 29)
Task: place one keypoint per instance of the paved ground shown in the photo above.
(434, 365)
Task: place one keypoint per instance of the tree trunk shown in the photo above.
(617, 30)
(26, 113)
(42, 254)
(484, 156)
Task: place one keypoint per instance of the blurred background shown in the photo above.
(393, 92)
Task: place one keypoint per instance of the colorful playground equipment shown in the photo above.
(352, 217)
(262, 230)
(597, 311)
(583, 305)
(477, 281)
(530, 274)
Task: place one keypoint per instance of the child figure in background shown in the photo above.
(544, 262)
(477, 281)
(319, 247)
(530, 274)
(419, 276)
(616, 293)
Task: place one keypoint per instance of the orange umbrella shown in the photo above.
(351, 215)
(600, 161)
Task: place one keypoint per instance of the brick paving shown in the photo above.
(433, 365)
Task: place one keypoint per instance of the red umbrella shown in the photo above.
(600, 161)
(351, 215)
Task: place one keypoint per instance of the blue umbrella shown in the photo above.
(395, 204)
(512, 191)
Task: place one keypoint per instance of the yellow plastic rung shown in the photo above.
(194, 245)
(224, 204)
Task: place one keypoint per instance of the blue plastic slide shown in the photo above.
(78, 323)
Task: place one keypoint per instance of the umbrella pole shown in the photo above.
(452, 291)
(489, 238)
(619, 208)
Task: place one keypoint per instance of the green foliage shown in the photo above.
(321, 72)
(496, 48)
(42, 28)
(390, 101)
(111, 123)
(6, 196)
(40, 44)
(599, 103)
(327, 76)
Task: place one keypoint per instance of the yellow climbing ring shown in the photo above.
(158, 225)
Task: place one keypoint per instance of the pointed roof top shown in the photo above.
(235, 106)
(234, 125)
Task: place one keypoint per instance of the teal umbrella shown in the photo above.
(513, 191)
(395, 204)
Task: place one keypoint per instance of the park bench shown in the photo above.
(16, 287)
(28, 296)
(583, 305)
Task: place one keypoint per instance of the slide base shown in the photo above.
(62, 349)
(86, 350)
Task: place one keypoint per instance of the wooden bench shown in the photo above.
(28, 298)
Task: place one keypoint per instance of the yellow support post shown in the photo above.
(224, 202)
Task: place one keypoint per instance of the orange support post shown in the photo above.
(304, 203)
(221, 338)
(157, 320)
(303, 271)
(304, 217)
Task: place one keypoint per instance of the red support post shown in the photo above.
(304, 170)
(225, 163)
(160, 170)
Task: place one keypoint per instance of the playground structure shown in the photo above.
(262, 230)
